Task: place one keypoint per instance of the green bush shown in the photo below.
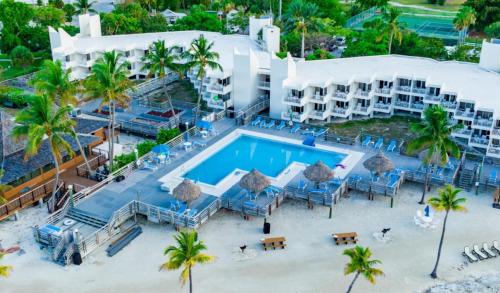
(145, 147)
(13, 97)
(21, 57)
(164, 135)
(493, 30)
(281, 55)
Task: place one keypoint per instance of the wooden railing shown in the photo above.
(26, 199)
(94, 163)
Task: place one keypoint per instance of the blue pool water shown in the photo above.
(268, 156)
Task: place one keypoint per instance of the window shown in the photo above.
(297, 109)
(127, 53)
(67, 58)
(88, 57)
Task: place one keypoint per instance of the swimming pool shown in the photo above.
(246, 152)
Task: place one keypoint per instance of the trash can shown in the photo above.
(77, 258)
(267, 228)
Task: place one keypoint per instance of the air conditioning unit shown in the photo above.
(76, 112)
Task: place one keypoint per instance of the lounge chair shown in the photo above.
(271, 124)
(367, 140)
(320, 132)
(200, 144)
(493, 177)
(192, 212)
(392, 145)
(262, 123)
(379, 143)
(256, 121)
(281, 125)
(302, 185)
(495, 246)
(295, 128)
(148, 166)
(469, 255)
(486, 249)
(478, 252)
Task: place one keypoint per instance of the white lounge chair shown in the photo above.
(468, 254)
(486, 249)
(496, 246)
(479, 253)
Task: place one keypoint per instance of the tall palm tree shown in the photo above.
(393, 28)
(109, 80)
(465, 17)
(84, 7)
(434, 138)
(159, 61)
(301, 17)
(4, 270)
(39, 120)
(361, 264)
(53, 81)
(201, 56)
(186, 254)
(447, 201)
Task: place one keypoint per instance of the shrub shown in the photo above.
(164, 135)
(145, 147)
(493, 30)
(281, 55)
(21, 57)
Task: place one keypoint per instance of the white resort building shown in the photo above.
(314, 91)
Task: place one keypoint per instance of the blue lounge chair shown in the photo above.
(302, 185)
(256, 121)
(271, 124)
(392, 145)
(281, 125)
(192, 212)
(379, 143)
(295, 128)
(181, 210)
(493, 177)
(335, 181)
(262, 123)
(367, 141)
(320, 132)
(199, 143)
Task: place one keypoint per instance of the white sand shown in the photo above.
(310, 263)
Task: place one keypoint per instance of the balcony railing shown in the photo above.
(339, 110)
(494, 149)
(291, 115)
(479, 140)
(384, 91)
(402, 104)
(483, 122)
(496, 131)
(341, 95)
(318, 114)
(449, 105)
(403, 88)
(419, 90)
(318, 97)
(382, 106)
(263, 83)
(462, 113)
(363, 94)
(417, 106)
(463, 131)
(431, 98)
(217, 87)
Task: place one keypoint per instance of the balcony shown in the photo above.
(342, 112)
(462, 132)
(483, 123)
(294, 116)
(496, 131)
(362, 94)
(432, 99)
(217, 88)
(383, 91)
(216, 103)
(364, 110)
(402, 104)
(468, 114)
(494, 150)
(449, 105)
(319, 115)
(382, 106)
(264, 84)
(480, 140)
(403, 88)
(294, 100)
(340, 95)
(317, 98)
(417, 106)
(419, 90)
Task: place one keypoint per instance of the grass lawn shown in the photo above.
(9, 72)
(396, 127)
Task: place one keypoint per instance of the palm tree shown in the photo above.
(447, 201)
(53, 81)
(159, 61)
(465, 17)
(186, 254)
(39, 120)
(201, 56)
(434, 137)
(393, 27)
(4, 270)
(301, 17)
(109, 80)
(84, 7)
(360, 263)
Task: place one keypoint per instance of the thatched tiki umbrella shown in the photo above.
(187, 191)
(378, 164)
(254, 181)
(318, 173)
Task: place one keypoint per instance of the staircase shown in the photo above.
(86, 218)
(466, 179)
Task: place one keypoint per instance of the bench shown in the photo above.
(273, 242)
(345, 238)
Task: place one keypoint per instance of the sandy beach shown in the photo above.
(310, 263)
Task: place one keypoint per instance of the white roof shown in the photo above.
(468, 80)
(169, 12)
(225, 45)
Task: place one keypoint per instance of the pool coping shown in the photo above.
(174, 177)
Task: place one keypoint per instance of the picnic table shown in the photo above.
(345, 238)
(274, 242)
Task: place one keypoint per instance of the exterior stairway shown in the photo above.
(467, 176)
(86, 218)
